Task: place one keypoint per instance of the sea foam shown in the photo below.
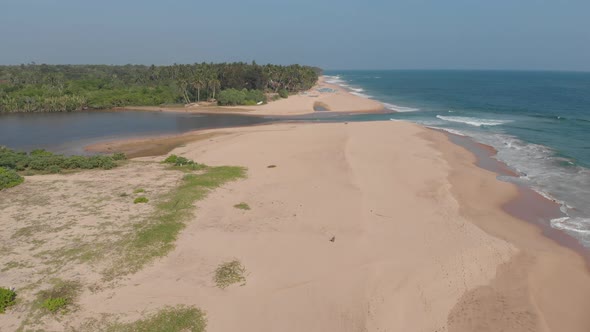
(543, 171)
(473, 121)
(337, 80)
(398, 108)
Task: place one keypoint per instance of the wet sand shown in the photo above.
(149, 146)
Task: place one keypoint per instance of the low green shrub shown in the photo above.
(138, 191)
(184, 163)
(45, 161)
(9, 178)
(180, 161)
(141, 199)
(232, 97)
(119, 156)
(283, 93)
(55, 304)
(171, 159)
(7, 298)
(255, 95)
(53, 169)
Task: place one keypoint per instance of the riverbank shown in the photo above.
(420, 239)
(323, 96)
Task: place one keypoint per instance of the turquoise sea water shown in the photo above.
(538, 121)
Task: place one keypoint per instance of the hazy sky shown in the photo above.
(344, 34)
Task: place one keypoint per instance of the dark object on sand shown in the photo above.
(271, 166)
(333, 239)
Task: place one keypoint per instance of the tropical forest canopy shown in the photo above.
(64, 88)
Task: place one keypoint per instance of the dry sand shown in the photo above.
(340, 100)
(421, 242)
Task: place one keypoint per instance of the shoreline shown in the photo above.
(543, 212)
(543, 209)
(523, 269)
(331, 97)
(518, 206)
(381, 190)
(154, 146)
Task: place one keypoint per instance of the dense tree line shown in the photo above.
(64, 88)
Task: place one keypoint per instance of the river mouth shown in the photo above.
(68, 133)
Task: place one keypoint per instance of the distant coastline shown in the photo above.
(332, 97)
(68, 88)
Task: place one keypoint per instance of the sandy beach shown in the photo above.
(329, 97)
(420, 239)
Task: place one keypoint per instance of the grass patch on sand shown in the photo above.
(183, 164)
(170, 319)
(15, 265)
(60, 297)
(242, 206)
(229, 273)
(7, 298)
(141, 199)
(155, 237)
(138, 191)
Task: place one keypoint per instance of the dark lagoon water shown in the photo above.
(68, 133)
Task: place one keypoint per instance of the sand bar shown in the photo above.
(421, 240)
(328, 96)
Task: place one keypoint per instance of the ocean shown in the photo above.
(539, 122)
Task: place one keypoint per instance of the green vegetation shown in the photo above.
(283, 93)
(9, 178)
(231, 97)
(171, 159)
(155, 237)
(66, 88)
(229, 273)
(119, 156)
(183, 163)
(54, 304)
(47, 162)
(7, 298)
(138, 191)
(242, 206)
(59, 297)
(141, 199)
(170, 319)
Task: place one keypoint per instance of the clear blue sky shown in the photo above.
(369, 34)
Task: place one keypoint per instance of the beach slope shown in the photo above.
(381, 226)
